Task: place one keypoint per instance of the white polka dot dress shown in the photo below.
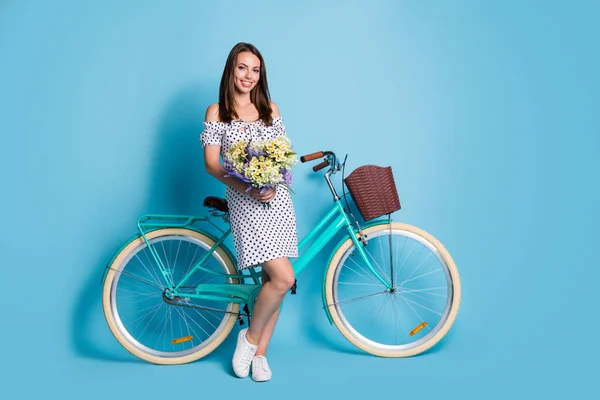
(259, 234)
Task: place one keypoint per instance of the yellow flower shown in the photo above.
(271, 148)
(279, 155)
(238, 153)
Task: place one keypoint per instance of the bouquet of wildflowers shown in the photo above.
(262, 164)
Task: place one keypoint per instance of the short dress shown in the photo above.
(259, 234)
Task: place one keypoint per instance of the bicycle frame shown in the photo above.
(321, 234)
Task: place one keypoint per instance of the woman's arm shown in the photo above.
(212, 153)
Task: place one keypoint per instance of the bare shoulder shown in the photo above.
(274, 110)
(212, 113)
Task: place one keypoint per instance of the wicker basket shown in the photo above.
(373, 190)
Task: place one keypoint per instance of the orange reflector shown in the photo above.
(418, 328)
(182, 339)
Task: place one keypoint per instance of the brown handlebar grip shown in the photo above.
(321, 166)
(311, 156)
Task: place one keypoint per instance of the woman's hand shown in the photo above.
(267, 195)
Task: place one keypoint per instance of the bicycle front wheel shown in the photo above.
(148, 323)
(415, 313)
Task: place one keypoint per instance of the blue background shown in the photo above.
(486, 111)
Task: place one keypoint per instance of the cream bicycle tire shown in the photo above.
(383, 350)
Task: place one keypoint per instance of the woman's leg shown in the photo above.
(267, 332)
(270, 297)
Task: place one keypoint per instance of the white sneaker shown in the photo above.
(260, 369)
(242, 357)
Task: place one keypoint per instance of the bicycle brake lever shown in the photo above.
(338, 166)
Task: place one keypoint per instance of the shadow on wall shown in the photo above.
(178, 179)
(177, 184)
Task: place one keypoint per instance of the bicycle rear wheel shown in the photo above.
(411, 317)
(150, 325)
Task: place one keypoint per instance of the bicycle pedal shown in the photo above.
(294, 286)
(247, 311)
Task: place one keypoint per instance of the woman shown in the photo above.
(262, 236)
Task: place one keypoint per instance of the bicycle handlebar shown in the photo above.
(321, 166)
(312, 156)
(330, 159)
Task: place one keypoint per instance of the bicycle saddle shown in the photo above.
(216, 202)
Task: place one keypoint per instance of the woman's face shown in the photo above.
(246, 72)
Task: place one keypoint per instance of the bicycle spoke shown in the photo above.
(416, 313)
(422, 306)
(420, 276)
(136, 295)
(145, 312)
(156, 273)
(203, 317)
(190, 330)
(185, 264)
(199, 326)
(359, 284)
(355, 299)
(377, 313)
(168, 267)
(145, 282)
(161, 335)
(176, 256)
(385, 258)
(426, 290)
(162, 244)
(406, 258)
(356, 272)
(419, 266)
(171, 324)
(209, 279)
(368, 273)
(192, 263)
(377, 264)
(398, 257)
(150, 320)
(209, 310)
(129, 289)
(154, 277)
(430, 300)
(397, 320)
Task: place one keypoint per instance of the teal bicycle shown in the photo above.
(173, 292)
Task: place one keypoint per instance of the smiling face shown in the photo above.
(244, 81)
(246, 72)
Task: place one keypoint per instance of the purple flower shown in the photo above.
(287, 176)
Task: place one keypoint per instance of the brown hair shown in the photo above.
(259, 95)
